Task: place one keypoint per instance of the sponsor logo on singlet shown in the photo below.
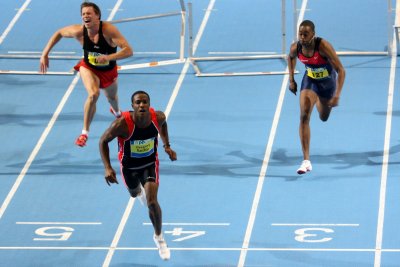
(142, 148)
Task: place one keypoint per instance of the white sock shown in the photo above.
(85, 132)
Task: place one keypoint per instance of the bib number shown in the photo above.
(317, 73)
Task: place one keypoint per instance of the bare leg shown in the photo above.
(155, 212)
(307, 101)
(91, 83)
(323, 109)
(111, 93)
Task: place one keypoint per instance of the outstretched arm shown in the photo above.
(73, 31)
(162, 122)
(115, 38)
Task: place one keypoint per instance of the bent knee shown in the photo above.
(135, 191)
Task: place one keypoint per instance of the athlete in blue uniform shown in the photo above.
(137, 133)
(98, 69)
(321, 85)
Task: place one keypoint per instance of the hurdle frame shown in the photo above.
(181, 59)
(193, 60)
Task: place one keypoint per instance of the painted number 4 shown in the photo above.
(310, 235)
(187, 234)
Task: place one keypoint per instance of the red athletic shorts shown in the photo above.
(107, 77)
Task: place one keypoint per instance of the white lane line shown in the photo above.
(386, 148)
(14, 20)
(317, 224)
(192, 224)
(38, 145)
(261, 178)
(59, 223)
(369, 250)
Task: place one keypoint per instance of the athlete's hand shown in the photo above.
(334, 102)
(102, 59)
(293, 87)
(44, 64)
(110, 176)
(171, 153)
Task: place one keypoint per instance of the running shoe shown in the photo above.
(304, 167)
(163, 249)
(81, 140)
(114, 113)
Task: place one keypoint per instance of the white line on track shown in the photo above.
(261, 178)
(201, 249)
(14, 20)
(59, 223)
(38, 146)
(317, 224)
(386, 148)
(193, 224)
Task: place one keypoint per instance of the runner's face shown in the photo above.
(89, 17)
(141, 104)
(306, 36)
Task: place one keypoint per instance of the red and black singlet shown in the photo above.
(140, 148)
(92, 50)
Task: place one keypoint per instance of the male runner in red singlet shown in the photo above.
(98, 68)
(137, 133)
(321, 85)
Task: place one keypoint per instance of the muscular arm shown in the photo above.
(73, 31)
(164, 135)
(328, 51)
(292, 58)
(113, 35)
(117, 128)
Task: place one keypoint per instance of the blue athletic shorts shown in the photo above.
(323, 88)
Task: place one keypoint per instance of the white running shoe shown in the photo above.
(304, 167)
(163, 249)
(142, 195)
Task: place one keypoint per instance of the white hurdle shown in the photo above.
(54, 55)
(199, 73)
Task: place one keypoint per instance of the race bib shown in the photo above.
(142, 148)
(92, 57)
(317, 73)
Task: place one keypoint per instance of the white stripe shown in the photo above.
(38, 146)
(196, 224)
(187, 63)
(385, 160)
(204, 249)
(316, 224)
(118, 234)
(261, 178)
(60, 223)
(14, 20)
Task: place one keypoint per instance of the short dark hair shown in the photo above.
(308, 23)
(140, 92)
(95, 7)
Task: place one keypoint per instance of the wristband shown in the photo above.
(167, 145)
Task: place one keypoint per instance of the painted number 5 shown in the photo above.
(311, 235)
(53, 233)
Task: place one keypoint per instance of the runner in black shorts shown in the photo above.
(321, 85)
(137, 133)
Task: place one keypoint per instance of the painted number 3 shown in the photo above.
(312, 235)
